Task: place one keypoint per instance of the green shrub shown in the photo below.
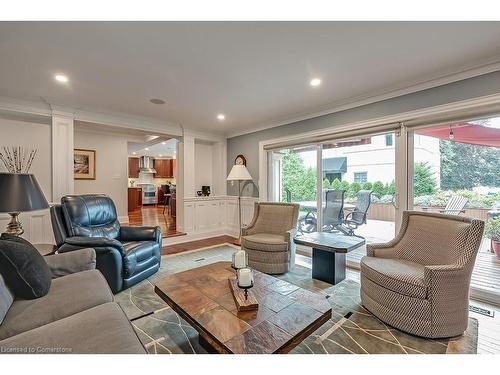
(336, 184)
(378, 189)
(423, 180)
(326, 184)
(354, 189)
(367, 186)
(344, 185)
(390, 189)
(492, 229)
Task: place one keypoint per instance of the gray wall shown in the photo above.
(248, 144)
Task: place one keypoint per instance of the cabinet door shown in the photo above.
(169, 168)
(133, 167)
(174, 167)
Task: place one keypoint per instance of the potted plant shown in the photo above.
(492, 231)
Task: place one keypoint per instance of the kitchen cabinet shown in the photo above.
(164, 168)
(134, 198)
(133, 167)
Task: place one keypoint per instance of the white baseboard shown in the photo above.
(123, 219)
(198, 236)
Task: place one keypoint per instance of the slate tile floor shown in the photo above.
(352, 329)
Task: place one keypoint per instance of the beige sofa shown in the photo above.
(268, 239)
(419, 282)
(78, 315)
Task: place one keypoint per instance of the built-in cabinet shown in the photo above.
(164, 168)
(217, 215)
(133, 167)
(134, 198)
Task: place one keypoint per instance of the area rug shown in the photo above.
(352, 329)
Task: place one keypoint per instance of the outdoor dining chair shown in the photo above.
(357, 217)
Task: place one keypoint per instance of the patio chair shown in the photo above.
(357, 217)
(455, 206)
(333, 213)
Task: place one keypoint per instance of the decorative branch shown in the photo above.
(17, 159)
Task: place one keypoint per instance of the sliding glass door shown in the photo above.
(456, 170)
(357, 181)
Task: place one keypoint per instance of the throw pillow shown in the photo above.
(23, 268)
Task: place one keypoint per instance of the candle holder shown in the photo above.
(240, 288)
(245, 289)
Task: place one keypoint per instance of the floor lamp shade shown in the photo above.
(239, 173)
(20, 193)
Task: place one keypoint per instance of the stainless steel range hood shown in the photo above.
(146, 164)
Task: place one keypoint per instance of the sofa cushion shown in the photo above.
(265, 242)
(68, 295)
(397, 275)
(6, 299)
(101, 329)
(23, 268)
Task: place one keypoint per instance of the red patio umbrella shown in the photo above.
(463, 132)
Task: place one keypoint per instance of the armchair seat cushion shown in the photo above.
(265, 242)
(400, 276)
(140, 256)
(61, 301)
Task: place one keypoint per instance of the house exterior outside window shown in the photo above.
(360, 177)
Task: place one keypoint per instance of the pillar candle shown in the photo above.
(245, 277)
(240, 259)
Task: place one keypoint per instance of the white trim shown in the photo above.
(462, 107)
(123, 219)
(389, 93)
(115, 119)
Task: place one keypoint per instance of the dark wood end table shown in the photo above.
(329, 252)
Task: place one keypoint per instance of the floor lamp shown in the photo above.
(239, 173)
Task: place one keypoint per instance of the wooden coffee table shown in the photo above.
(287, 314)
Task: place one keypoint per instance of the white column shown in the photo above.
(188, 167)
(62, 155)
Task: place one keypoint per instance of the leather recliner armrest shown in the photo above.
(140, 234)
(94, 242)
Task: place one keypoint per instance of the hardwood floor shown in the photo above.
(193, 245)
(152, 216)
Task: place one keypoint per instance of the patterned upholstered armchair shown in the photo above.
(419, 282)
(268, 239)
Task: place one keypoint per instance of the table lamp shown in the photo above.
(239, 173)
(19, 193)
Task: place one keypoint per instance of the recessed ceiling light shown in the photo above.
(147, 149)
(160, 155)
(221, 117)
(315, 82)
(164, 143)
(157, 101)
(134, 153)
(61, 78)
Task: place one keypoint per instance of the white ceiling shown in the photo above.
(257, 74)
(164, 149)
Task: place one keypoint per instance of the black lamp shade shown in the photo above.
(20, 193)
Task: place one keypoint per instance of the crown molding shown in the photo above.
(459, 74)
(204, 136)
(44, 108)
